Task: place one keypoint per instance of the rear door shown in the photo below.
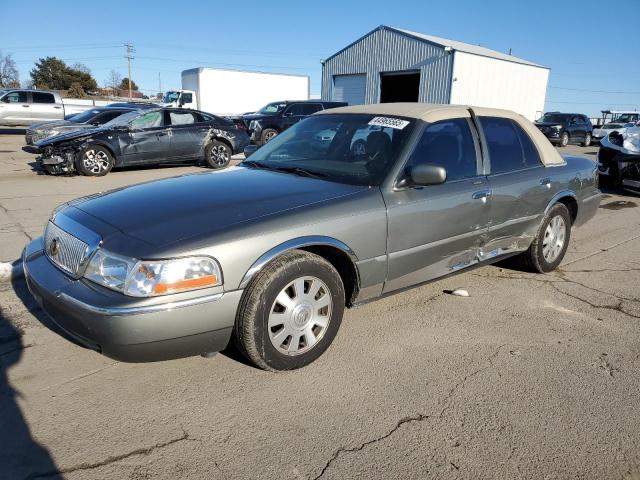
(520, 186)
(186, 134)
(147, 140)
(438, 229)
(15, 109)
(44, 107)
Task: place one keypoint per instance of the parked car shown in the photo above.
(80, 121)
(149, 136)
(619, 127)
(564, 128)
(619, 159)
(617, 116)
(24, 107)
(276, 117)
(273, 251)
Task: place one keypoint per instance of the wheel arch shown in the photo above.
(569, 199)
(334, 251)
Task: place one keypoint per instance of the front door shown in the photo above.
(520, 186)
(292, 115)
(147, 141)
(438, 229)
(15, 109)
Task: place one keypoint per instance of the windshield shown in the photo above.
(627, 118)
(552, 118)
(171, 97)
(86, 116)
(357, 149)
(272, 108)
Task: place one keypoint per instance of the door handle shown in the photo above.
(25, 106)
(481, 195)
(58, 107)
(546, 182)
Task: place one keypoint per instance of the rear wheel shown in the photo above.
(217, 154)
(94, 161)
(291, 312)
(551, 242)
(587, 140)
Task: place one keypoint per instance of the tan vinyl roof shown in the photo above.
(431, 112)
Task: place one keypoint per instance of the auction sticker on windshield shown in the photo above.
(396, 123)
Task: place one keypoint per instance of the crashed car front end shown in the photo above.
(619, 159)
(58, 159)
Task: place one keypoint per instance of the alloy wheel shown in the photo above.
(300, 315)
(95, 161)
(220, 155)
(554, 237)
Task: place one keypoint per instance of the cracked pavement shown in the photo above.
(532, 376)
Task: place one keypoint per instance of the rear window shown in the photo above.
(510, 148)
(41, 97)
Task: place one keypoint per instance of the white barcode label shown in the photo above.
(396, 123)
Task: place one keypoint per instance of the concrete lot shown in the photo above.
(532, 376)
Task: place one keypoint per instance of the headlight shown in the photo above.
(253, 125)
(556, 127)
(154, 277)
(51, 133)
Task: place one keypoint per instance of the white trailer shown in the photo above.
(233, 92)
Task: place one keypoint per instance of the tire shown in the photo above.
(274, 342)
(94, 161)
(564, 139)
(217, 154)
(587, 140)
(268, 134)
(544, 254)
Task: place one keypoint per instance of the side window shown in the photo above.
(41, 97)
(106, 117)
(310, 108)
(181, 118)
(187, 97)
(148, 120)
(294, 110)
(448, 143)
(529, 150)
(503, 143)
(15, 97)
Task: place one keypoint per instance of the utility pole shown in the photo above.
(129, 57)
(159, 83)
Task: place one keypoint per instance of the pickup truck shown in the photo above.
(24, 107)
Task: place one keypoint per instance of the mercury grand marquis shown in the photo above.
(348, 205)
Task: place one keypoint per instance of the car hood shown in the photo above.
(76, 134)
(256, 116)
(164, 212)
(50, 125)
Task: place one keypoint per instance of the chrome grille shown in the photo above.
(68, 252)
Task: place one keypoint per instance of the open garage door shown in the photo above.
(350, 88)
(399, 87)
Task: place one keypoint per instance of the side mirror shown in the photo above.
(250, 150)
(423, 175)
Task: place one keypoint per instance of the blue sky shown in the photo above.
(591, 48)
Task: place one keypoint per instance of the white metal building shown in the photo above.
(395, 65)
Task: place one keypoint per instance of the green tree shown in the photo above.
(124, 85)
(54, 73)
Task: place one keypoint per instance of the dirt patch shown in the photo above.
(619, 205)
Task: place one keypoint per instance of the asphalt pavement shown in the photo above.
(531, 376)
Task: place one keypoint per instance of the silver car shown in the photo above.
(272, 251)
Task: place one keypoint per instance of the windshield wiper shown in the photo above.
(254, 164)
(301, 171)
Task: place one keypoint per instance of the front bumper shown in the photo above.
(126, 328)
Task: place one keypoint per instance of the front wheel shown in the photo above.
(587, 140)
(217, 154)
(564, 139)
(291, 312)
(268, 134)
(94, 161)
(551, 242)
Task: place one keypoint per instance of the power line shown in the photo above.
(593, 91)
(204, 62)
(590, 103)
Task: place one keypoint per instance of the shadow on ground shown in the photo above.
(21, 456)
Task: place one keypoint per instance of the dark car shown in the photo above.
(88, 119)
(276, 117)
(150, 136)
(564, 128)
